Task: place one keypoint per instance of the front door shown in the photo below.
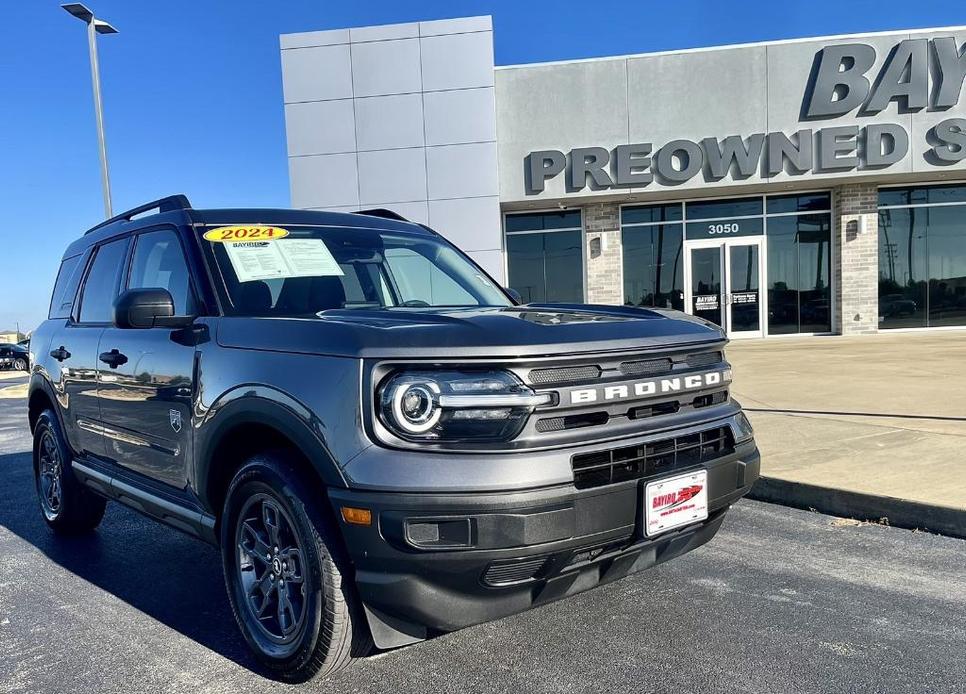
(145, 379)
(723, 284)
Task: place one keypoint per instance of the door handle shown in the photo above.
(60, 354)
(113, 358)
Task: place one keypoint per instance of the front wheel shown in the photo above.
(20, 364)
(286, 575)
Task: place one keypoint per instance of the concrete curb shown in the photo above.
(900, 513)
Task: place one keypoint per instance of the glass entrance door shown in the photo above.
(706, 280)
(724, 284)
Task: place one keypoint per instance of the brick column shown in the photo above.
(602, 251)
(855, 221)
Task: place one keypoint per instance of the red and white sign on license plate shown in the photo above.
(675, 501)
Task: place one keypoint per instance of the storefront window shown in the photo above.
(799, 259)
(922, 257)
(720, 209)
(797, 235)
(653, 252)
(544, 256)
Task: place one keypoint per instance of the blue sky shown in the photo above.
(193, 95)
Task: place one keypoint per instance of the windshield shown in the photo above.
(302, 271)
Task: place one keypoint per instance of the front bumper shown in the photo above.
(495, 554)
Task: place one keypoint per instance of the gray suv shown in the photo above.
(384, 444)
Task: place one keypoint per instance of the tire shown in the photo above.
(19, 364)
(311, 629)
(69, 508)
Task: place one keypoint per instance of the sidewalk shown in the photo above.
(869, 427)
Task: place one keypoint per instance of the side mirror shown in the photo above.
(514, 294)
(147, 308)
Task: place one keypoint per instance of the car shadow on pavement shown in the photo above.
(170, 577)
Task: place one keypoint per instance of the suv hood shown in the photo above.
(517, 331)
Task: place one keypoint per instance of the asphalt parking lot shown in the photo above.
(781, 601)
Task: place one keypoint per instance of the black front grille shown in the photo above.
(646, 367)
(645, 459)
(564, 374)
(656, 367)
(574, 421)
(704, 359)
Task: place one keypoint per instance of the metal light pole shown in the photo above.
(96, 26)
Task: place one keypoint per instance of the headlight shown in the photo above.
(743, 430)
(456, 405)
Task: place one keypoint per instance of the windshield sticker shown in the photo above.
(263, 260)
(245, 233)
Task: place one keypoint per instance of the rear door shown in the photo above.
(145, 378)
(74, 348)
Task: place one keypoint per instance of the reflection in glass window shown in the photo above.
(923, 195)
(807, 202)
(100, 287)
(922, 258)
(652, 214)
(420, 282)
(719, 209)
(799, 258)
(946, 243)
(159, 263)
(544, 256)
(654, 265)
(543, 221)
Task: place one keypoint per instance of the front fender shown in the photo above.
(260, 404)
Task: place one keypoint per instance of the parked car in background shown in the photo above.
(15, 357)
(897, 305)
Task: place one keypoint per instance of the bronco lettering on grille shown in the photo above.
(650, 388)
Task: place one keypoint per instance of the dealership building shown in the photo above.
(810, 186)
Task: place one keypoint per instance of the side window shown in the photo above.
(62, 299)
(100, 287)
(159, 263)
(419, 280)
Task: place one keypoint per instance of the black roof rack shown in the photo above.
(168, 204)
(384, 213)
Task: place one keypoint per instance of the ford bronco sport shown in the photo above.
(382, 442)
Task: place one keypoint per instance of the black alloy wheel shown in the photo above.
(68, 506)
(288, 577)
(270, 569)
(50, 471)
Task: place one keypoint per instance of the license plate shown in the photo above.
(675, 501)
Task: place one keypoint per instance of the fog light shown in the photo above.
(439, 533)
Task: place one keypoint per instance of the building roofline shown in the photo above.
(754, 44)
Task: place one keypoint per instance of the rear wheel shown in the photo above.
(286, 577)
(68, 507)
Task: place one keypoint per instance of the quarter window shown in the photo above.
(159, 263)
(65, 288)
(100, 287)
